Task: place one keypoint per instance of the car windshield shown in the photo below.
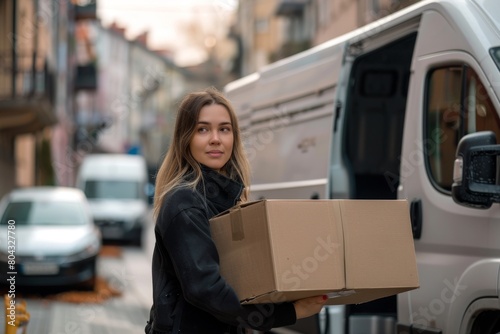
(44, 213)
(111, 189)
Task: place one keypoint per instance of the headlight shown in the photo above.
(89, 251)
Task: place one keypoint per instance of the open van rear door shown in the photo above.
(370, 111)
(339, 180)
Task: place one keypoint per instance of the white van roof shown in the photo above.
(113, 166)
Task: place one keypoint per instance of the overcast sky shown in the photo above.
(166, 20)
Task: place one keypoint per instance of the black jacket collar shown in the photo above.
(218, 189)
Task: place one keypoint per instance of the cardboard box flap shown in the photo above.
(236, 207)
(306, 254)
(335, 297)
(389, 260)
(262, 298)
(360, 296)
(277, 296)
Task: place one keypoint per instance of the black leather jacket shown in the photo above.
(188, 291)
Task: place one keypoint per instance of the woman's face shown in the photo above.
(212, 142)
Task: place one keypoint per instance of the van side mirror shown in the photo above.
(476, 173)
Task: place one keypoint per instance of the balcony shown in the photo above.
(86, 12)
(26, 95)
(86, 77)
(291, 7)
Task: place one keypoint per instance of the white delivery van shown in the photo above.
(406, 107)
(115, 187)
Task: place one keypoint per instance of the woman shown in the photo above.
(204, 173)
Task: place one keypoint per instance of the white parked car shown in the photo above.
(48, 238)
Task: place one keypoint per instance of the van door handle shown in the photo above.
(416, 218)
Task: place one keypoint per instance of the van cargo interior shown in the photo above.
(375, 114)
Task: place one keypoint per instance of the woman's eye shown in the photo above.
(226, 129)
(202, 130)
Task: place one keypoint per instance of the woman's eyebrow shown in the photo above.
(208, 123)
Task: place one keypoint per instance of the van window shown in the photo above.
(111, 189)
(457, 104)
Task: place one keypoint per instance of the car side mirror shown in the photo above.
(476, 173)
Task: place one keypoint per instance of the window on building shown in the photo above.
(375, 7)
(457, 104)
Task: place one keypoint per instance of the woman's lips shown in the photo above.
(215, 154)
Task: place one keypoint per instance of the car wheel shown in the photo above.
(89, 285)
(137, 240)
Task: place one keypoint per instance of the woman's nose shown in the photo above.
(214, 139)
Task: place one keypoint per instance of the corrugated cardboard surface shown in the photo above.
(242, 258)
(355, 250)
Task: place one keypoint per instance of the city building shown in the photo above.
(35, 98)
(269, 30)
(134, 104)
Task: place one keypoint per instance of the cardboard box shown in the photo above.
(283, 250)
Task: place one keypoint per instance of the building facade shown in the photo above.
(133, 109)
(35, 57)
(69, 87)
(275, 29)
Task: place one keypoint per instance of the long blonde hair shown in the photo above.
(179, 161)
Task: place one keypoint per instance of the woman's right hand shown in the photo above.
(309, 306)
